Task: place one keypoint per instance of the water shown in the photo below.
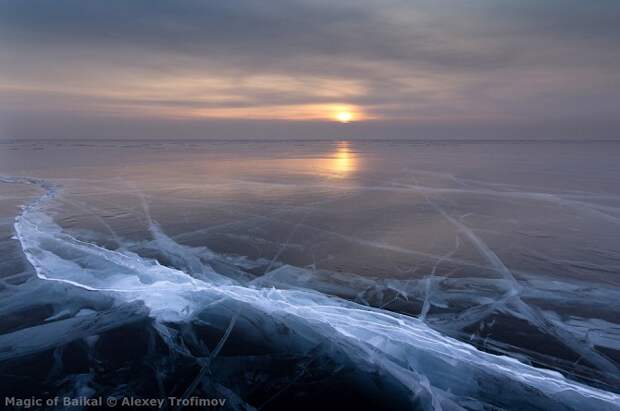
(430, 275)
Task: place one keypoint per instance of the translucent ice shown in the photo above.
(436, 371)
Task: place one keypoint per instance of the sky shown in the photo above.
(240, 69)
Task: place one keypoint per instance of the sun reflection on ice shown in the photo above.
(343, 162)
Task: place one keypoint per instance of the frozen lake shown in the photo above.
(427, 275)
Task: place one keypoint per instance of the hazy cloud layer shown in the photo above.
(246, 69)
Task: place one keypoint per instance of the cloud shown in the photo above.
(401, 64)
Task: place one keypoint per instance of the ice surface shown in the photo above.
(384, 276)
(437, 371)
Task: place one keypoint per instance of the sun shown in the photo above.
(344, 117)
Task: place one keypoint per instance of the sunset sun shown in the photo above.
(344, 117)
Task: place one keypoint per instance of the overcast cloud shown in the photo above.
(281, 69)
